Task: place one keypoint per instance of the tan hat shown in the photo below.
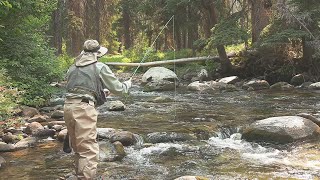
(94, 47)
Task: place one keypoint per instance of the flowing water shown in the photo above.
(223, 156)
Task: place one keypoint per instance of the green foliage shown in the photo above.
(9, 97)
(24, 51)
(228, 32)
(283, 37)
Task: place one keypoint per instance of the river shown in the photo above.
(222, 156)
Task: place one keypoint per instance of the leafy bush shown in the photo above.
(24, 50)
(9, 97)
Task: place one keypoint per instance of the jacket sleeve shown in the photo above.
(111, 82)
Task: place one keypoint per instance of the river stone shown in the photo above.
(29, 111)
(315, 86)
(33, 127)
(62, 134)
(191, 178)
(160, 137)
(282, 86)
(106, 133)
(38, 118)
(256, 84)
(299, 79)
(230, 80)
(125, 137)
(283, 129)
(156, 74)
(44, 133)
(110, 152)
(2, 161)
(56, 101)
(57, 127)
(199, 86)
(116, 106)
(25, 143)
(4, 147)
(161, 99)
(57, 114)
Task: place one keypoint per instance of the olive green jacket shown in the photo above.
(108, 79)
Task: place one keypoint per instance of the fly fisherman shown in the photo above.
(86, 81)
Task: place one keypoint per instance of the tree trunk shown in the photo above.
(260, 13)
(126, 25)
(57, 27)
(76, 26)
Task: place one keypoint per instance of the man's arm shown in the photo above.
(111, 82)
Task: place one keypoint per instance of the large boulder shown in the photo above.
(159, 79)
(298, 79)
(281, 130)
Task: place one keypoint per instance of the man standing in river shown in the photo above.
(86, 80)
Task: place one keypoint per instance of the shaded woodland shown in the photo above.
(38, 38)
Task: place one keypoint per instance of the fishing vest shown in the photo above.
(86, 80)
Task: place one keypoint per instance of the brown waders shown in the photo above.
(81, 118)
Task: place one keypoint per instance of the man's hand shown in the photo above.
(128, 83)
(106, 92)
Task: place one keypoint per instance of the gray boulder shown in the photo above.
(298, 79)
(159, 79)
(283, 129)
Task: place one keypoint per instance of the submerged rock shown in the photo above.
(283, 129)
(159, 137)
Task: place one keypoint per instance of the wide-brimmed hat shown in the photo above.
(94, 47)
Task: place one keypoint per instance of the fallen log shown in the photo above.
(157, 63)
